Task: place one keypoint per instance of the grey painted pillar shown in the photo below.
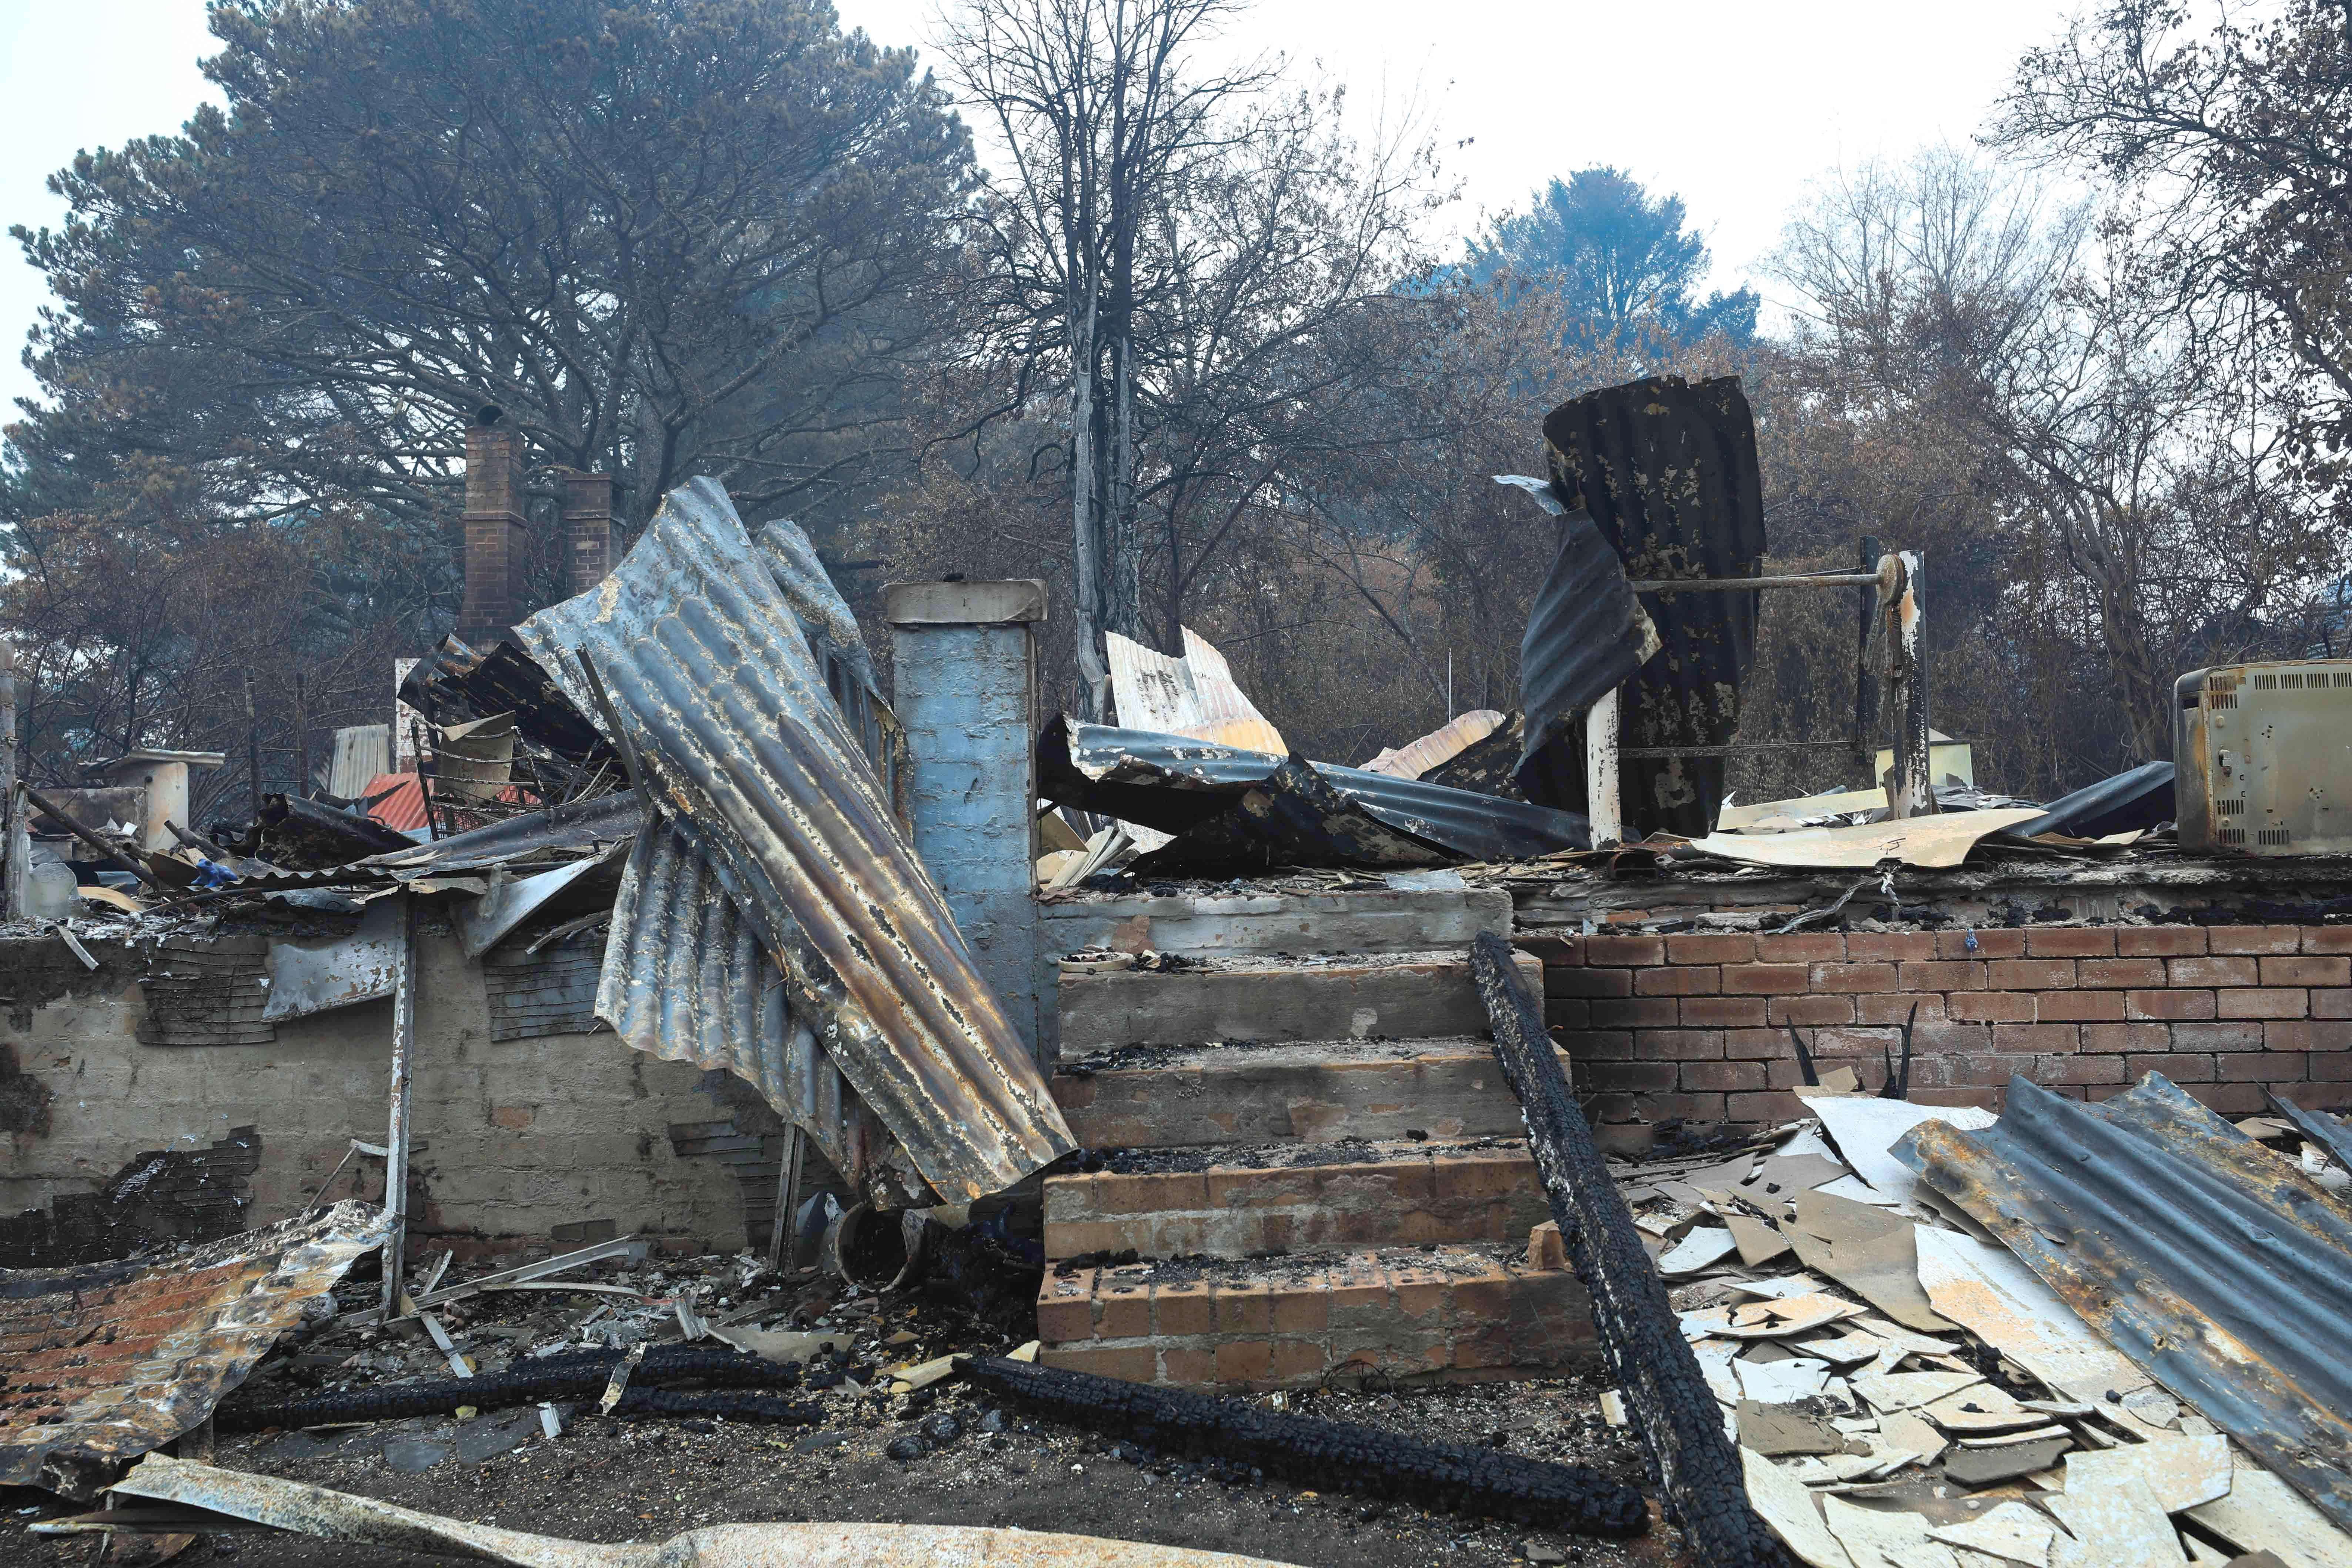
(966, 667)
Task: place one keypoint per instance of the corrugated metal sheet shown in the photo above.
(1439, 746)
(502, 679)
(1194, 696)
(592, 824)
(686, 979)
(1251, 809)
(2138, 797)
(704, 661)
(397, 802)
(1586, 634)
(1667, 471)
(2215, 1263)
(2334, 1138)
(362, 753)
(107, 1360)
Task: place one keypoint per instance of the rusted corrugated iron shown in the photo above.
(687, 979)
(1234, 810)
(104, 1361)
(720, 700)
(552, 834)
(1668, 473)
(2213, 1262)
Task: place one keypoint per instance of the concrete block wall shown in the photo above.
(514, 1138)
(1696, 1026)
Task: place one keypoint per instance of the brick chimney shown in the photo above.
(587, 528)
(494, 530)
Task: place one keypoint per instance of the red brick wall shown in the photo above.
(1696, 1026)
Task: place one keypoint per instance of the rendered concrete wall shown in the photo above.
(967, 693)
(514, 1138)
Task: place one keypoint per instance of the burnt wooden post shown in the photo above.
(403, 1062)
(1672, 1407)
(1912, 791)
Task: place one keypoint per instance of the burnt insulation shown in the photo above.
(1330, 1455)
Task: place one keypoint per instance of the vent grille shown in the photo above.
(2214, 699)
(2229, 808)
(2271, 836)
(2228, 835)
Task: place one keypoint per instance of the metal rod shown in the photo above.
(1604, 801)
(404, 1050)
(1732, 750)
(1738, 584)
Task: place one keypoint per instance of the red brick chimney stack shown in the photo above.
(494, 530)
(587, 528)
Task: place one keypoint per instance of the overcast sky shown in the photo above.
(1737, 107)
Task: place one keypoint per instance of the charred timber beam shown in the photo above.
(1672, 1407)
(1334, 1455)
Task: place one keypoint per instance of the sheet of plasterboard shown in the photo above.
(1865, 1129)
(1988, 1292)
(1943, 840)
(2262, 1513)
(1784, 1503)
(1441, 745)
(1194, 696)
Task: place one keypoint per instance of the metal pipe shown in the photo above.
(1736, 584)
(1734, 749)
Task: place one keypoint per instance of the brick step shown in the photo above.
(1158, 1097)
(1259, 998)
(1442, 1314)
(1236, 1203)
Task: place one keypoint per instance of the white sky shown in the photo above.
(1734, 106)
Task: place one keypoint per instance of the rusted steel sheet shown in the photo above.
(104, 1361)
(2215, 1263)
(1667, 471)
(303, 1509)
(2334, 1138)
(686, 979)
(1231, 808)
(720, 698)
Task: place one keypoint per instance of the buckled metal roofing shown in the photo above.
(719, 697)
(2215, 1263)
(1255, 810)
(110, 1360)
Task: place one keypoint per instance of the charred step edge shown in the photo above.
(1672, 1407)
(1330, 1455)
(574, 1376)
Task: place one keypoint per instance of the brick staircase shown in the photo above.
(1313, 1158)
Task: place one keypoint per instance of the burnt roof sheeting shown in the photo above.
(707, 667)
(503, 679)
(1667, 471)
(106, 1361)
(1586, 634)
(303, 835)
(2138, 797)
(1253, 808)
(2213, 1262)
(802, 579)
(2334, 1138)
(686, 979)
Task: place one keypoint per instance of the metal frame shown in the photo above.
(1890, 591)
